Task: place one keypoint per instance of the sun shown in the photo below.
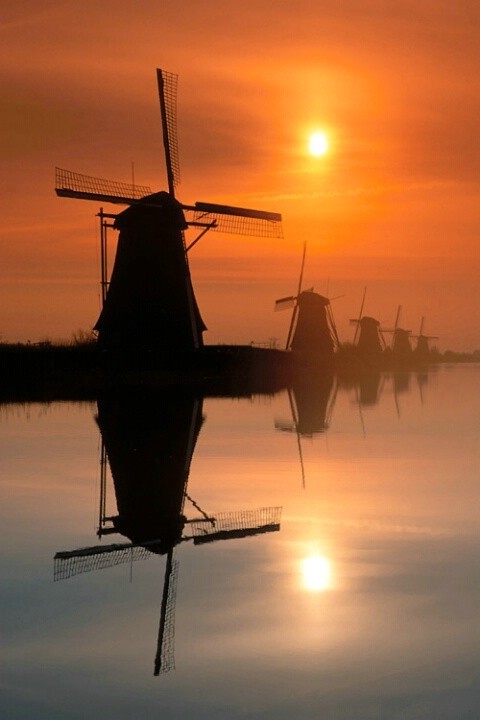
(318, 144)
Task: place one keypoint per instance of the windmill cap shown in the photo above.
(149, 206)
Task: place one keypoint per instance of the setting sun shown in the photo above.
(318, 144)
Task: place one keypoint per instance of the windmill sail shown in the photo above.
(165, 657)
(167, 91)
(239, 221)
(85, 187)
(245, 523)
(285, 303)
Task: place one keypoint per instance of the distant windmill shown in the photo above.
(400, 346)
(422, 348)
(150, 300)
(312, 327)
(368, 336)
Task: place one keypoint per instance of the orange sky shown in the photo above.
(394, 205)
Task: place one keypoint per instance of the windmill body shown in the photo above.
(401, 346)
(422, 347)
(151, 303)
(369, 339)
(313, 333)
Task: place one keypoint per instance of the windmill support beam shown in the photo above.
(206, 228)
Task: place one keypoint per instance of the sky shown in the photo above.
(393, 206)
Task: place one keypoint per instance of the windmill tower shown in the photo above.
(149, 302)
(400, 347)
(312, 328)
(422, 348)
(368, 337)
(149, 440)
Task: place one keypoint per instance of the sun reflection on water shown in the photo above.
(316, 573)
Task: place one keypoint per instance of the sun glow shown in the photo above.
(316, 573)
(318, 144)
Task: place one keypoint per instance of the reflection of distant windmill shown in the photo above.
(368, 336)
(401, 385)
(149, 443)
(422, 348)
(150, 300)
(312, 399)
(312, 327)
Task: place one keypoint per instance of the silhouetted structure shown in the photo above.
(368, 338)
(370, 341)
(401, 348)
(149, 302)
(422, 348)
(312, 330)
(401, 343)
(315, 331)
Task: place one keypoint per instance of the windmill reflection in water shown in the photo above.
(311, 398)
(148, 441)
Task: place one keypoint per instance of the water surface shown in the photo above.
(363, 603)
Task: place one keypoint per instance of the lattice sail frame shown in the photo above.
(166, 660)
(76, 185)
(222, 218)
(168, 86)
(240, 523)
(219, 527)
(68, 564)
(237, 221)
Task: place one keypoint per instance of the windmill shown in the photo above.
(149, 301)
(149, 441)
(422, 348)
(312, 327)
(368, 337)
(400, 346)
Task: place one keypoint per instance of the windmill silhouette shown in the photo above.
(149, 301)
(368, 337)
(422, 348)
(312, 327)
(400, 346)
(149, 440)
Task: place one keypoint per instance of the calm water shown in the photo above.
(360, 599)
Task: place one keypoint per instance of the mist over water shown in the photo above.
(312, 553)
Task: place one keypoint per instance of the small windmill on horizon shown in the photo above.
(368, 337)
(312, 327)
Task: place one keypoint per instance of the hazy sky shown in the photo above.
(393, 206)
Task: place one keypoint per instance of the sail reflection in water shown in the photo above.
(149, 440)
